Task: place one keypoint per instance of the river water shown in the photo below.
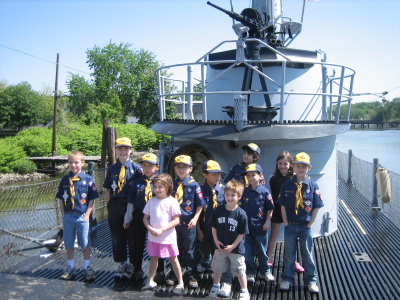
(370, 143)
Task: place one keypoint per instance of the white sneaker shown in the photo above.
(225, 290)
(251, 278)
(120, 271)
(285, 285)
(244, 295)
(313, 288)
(214, 292)
(268, 277)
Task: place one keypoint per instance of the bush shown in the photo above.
(9, 154)
(24, 166)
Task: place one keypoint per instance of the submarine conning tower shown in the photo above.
(255, 89)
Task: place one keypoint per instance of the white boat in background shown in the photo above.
(259, 90)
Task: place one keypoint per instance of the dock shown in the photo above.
(367, 123)
(358, 261)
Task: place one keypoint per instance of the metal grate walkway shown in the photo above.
(363, 233)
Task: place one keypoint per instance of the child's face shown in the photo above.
(159, 190)
(212, 178)
(253, 178)
(301, 170)
(247, 157)
(75, 163)
(123, 153)
(231, 197)
(149, 169)
(283, 166)
(182, 170)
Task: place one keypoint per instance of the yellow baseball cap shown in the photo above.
(211, 166)
(123, 142)
(184, 159)
(302, 158)
(253, 168)
(151, 158)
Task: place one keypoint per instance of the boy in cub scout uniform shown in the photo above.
(118, 180)
(251, 154)
(187, 191)
(300, 199)
(258, 204)
(76, 194)
(140, 192)
(213, 194)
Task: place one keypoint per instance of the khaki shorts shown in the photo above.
(221, 259)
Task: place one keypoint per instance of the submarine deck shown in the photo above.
(358, 261)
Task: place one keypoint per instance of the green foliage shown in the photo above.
(142, 137)
(24, 166)
(9, 154)
(389, 111)
(37, 141)
(20, 106)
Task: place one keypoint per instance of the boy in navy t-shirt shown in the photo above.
(229, 226)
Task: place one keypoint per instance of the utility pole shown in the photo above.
(54, 148)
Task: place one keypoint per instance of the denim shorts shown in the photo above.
(75, 223)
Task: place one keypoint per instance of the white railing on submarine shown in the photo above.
(336, 90)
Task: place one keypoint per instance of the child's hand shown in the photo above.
(158, 231)
(125, 225)
(192, 223)
(266, 226)
(200, 234)
(219, 245)
(228, 248)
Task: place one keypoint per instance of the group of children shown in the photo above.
(230, 222)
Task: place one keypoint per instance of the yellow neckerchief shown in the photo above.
(72, 188)
(148, 193)
(179, 190)
(214, 198)
(121, 178)
(299, 197)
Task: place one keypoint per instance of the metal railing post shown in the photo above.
(375, 203)
(349, 181)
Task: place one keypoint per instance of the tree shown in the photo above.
(20, 106)
(124, 83)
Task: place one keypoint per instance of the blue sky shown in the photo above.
(362, 35)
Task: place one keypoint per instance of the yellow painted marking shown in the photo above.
(353, 217)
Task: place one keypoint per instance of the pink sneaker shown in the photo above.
(270, 263)
(298, 267)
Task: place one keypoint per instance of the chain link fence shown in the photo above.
(30, 215)
(361, 175)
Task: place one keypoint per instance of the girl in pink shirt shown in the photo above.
(161, 215)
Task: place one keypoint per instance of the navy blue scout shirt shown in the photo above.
(236, 171)
(192, 197)
(136, 194)
(229, 224)
(132, 172)
(311, 199)
(256, 202)
(208, 208)
(85, 190)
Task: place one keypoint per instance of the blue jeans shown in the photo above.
(304, 235)
(186, 241)
(256, 246)
(75, 223)
(206, 250)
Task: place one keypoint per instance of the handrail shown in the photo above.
(344, 94)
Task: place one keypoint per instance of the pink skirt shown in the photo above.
(162, 250)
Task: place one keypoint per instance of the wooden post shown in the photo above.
(106, 123)
(111, 137)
